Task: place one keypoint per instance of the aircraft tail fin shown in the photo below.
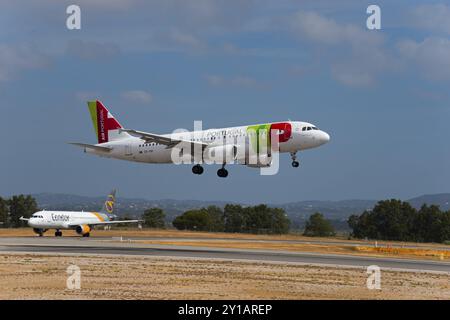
(108, 206)
(106, 127)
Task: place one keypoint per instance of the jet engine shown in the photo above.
(221, 154)
(83, 229)
(39, 231)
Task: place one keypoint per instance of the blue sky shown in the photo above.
(159, 65)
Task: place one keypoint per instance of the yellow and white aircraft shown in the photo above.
(80, 221)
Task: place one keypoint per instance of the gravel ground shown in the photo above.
(27, 276)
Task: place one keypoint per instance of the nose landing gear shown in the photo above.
(295, 163)
(58, 233)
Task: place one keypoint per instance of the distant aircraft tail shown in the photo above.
(108, 206)
(105, 125)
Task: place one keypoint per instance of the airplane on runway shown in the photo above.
(242, 145)
(80, 221)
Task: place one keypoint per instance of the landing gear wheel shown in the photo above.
(197, 169)
(86, 235)
(295, 163)
(58, 234)
(223, 173)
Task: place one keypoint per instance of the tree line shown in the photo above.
(15, 207)
(397, 220)
(388, 220)
(235, 218)
(232, 218)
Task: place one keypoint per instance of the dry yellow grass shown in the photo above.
(439, 254)
(26, 276)
(171, 233)
(302, 247)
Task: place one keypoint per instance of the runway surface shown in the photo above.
(114, 247)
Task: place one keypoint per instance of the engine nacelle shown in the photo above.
(248, 156)
(39, 231)
(83, 229)
(220, 154)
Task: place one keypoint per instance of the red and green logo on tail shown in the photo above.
(102, 120)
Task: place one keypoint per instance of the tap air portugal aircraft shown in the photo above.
(82, 222)
(242, 145)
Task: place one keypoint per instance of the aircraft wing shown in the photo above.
(168, 142)
(23, 219)
(91, 146)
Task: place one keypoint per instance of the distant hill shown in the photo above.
(441, 199)
(298, 212)
(131, 207)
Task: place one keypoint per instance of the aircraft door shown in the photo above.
(128, 149)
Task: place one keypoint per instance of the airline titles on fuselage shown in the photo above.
(60, 217)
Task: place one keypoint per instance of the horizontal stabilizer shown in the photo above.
(91, 146)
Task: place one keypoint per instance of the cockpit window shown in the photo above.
(309, 128)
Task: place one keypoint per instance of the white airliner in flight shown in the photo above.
(242, 145)
(81, 221)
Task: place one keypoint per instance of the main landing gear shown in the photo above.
(197, 169)
(295, 163)
(222, 172)
(58, 233)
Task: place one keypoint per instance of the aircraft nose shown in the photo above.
(324, 137)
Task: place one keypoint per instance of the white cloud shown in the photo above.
(187, 40)
(322, 30)
(17, 58)
(87, 95)
(236, 81)
(137, 96)
(356, 56)
(432, 56)
(435, 17)
(215, 80)
(92, 50)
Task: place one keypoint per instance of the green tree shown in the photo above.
(154, 218)
(393, 220)
(280, 221)
(21, 206)
(431, 224)
(397, 220)
(197, 219)
(216, 219)
(318, 226)
(234, 219)
(3, 212)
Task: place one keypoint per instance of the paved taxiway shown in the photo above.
(111, 246)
